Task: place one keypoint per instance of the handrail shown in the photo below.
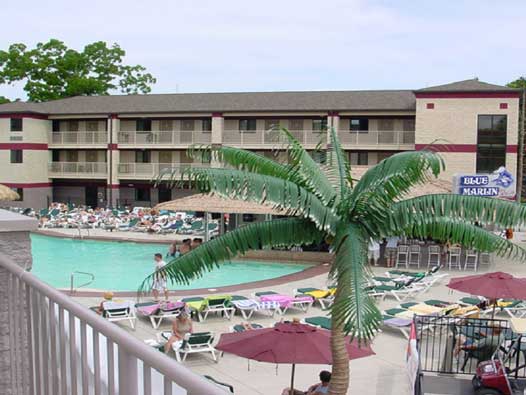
(82, 285)
(178, 373)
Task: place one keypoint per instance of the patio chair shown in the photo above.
(402, 256)
(320, 322)
(156, 312)
(130, 225)
(414, 255)
(485, 259)
(514, 308)
(400, 290)
(454, 258)
(471, 260)
(212, 304)
(325, 297)
(286, 302)
(402, 325)
(433, 256)
(199, 342)
(247, 307)
(115, 311)
(241, 328)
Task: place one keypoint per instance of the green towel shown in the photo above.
(394, 311)
(408, 304)
(323, 322)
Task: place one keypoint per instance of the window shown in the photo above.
(166, 125)
(247, 124)
(295, 124)
(359, 124)
(17, 156)
(491, 142)
(142, 157)
(16, 124)
(187, 125)
(55, 125)
(319, 125)
(359, 158)
(55, 156)
(271, 124)
(142, 194)
(206, 125)
(408, 125)
(143, 125)
(73, 126)
(385, 124)
(20, 192)
(92, 126)
(72, 156)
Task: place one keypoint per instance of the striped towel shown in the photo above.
(251, 304)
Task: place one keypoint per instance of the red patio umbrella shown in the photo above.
(287, 343)
(494, 285)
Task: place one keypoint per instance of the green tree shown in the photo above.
(324, 202)
(4, 99)
(53, 71)
(519, 83)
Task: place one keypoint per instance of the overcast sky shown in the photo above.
(234, 45)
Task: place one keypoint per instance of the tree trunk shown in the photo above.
(340, 360)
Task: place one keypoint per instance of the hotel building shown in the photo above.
(100, 150)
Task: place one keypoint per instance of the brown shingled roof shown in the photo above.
(383, 100)
(473, 85)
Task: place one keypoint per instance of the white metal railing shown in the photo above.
(72, 280)
(371, 137)
(271, 137)
(150, 170)
(78, 138)
(78, 168)
(58, 346)
(182, 137)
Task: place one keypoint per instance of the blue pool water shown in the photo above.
(121, 266)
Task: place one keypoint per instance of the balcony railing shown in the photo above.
(271, 137)
(78, 138)
(370, 137)
(78, 169)
(57, 346)
(150, 170)
(164, 138)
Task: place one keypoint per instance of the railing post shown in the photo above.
(127, 373)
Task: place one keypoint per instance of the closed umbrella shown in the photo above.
(7, 194)
(287, 343)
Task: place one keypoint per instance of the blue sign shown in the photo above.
(479, 191)
(474, 180)
(500, 183)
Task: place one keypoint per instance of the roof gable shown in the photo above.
(472, 85)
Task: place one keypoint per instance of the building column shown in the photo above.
(113, 158)
(15, 355)
(218, 127)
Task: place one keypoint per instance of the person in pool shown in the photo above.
(180, 327)
(316, 389)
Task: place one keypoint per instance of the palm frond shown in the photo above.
(456, 230)
(353, 307)
(483, 210)
(281, 232)
(339, 172)
(281, 194)
(392, 178)
(308, 169)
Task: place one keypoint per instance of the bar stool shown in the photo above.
(454, 258)
(471, 260)
(402, 256)
(414, 255)
(433, 256)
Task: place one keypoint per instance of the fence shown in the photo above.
(57, 346)
(454, 345)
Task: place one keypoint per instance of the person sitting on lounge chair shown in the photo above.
(108, 296)
(316, 389)
(180, 327)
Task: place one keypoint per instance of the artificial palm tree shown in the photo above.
(325, 203)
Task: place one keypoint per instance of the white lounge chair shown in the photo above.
(115, 311)
(199, 342)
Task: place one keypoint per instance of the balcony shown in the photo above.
(398, 140)
(271, 138)
(78, 169)
(151, 170)
(160, 139)
(78, 139)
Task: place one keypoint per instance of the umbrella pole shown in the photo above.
(292, 379)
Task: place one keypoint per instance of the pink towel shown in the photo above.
(148, 310)
(283, 300)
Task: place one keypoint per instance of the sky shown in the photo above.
(270, 45)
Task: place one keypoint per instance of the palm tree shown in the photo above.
(325, 203)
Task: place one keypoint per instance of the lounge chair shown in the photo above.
(156, 312)
(402, 325)
(247, 307)
(115, 311)
(198, 342)
(241, 328)
(130, 225)
(319, 321)
(514, 308)
(286, 301)
(211, 304)
(399, 290)
(325, 297)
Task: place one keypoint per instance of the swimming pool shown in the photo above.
(122, 266)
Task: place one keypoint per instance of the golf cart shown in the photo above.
(500, 375)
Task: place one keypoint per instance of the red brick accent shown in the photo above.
(114, 116)
(113, 147)
(23, 115)
(24, 146)
(430, 106)
(114, 186)
(217, 114)
(27, 185)
(333, 113)
(467, 95)
(466, 148)
(512, 149)
(503, 106)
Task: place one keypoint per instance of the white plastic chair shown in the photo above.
(402, 256)
(471, 260)
(414, 255)
(433, 256)
(454, 258)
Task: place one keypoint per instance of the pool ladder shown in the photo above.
(72, 289)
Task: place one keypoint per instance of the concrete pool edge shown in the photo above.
(313, 271)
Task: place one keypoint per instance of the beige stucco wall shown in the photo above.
(455, 120)
(34, 168)
(33, 131)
